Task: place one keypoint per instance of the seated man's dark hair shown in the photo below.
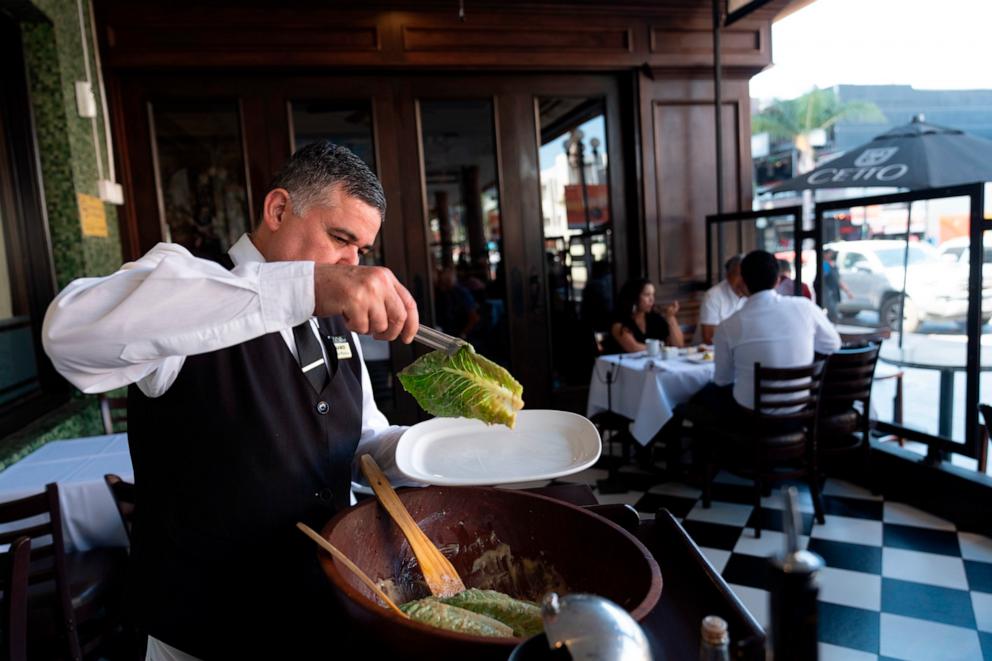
(759, 269)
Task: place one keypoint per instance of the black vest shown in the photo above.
(226, 462)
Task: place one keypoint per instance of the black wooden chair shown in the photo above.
(113, 412)
(15, 599)
(778, 440)
(74, 600)
(123, 493)
(841, 427)
(883, 371)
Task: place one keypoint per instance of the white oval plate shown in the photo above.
(468, 452)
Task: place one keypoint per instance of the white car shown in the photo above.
(956, 251)
(936, 288)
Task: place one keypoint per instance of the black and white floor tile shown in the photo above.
(899, 583)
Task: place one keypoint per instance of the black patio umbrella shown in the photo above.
(916, 156)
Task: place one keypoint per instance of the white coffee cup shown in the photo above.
(654, 347)
(671, 352)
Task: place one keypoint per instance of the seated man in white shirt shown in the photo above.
(774, 330)
(721, 300)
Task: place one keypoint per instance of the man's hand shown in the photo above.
(370, 298)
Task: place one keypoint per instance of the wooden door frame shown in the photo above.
(517, 135)
(263, 103)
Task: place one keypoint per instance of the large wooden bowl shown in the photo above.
(518, 543)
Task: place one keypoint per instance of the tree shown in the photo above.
(795, 119)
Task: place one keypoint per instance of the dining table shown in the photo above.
(646, 389)
(89, 514)
(945, 355)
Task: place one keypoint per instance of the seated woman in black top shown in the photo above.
(638, 320)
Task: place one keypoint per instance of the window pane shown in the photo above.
(578, 232)
(349, 124)
(18, 369)
(201, 175)
(906, 276)
(464, 223)
(6, 288)
(345, 123)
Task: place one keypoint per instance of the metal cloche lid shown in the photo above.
(592, 627)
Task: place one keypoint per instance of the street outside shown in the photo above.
(921, 387)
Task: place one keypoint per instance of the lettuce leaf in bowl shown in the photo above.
(464, 384)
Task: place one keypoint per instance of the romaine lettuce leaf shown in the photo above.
(463, 385)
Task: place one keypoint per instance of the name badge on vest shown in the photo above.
(341, 346)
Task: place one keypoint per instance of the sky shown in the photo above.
(929, 44)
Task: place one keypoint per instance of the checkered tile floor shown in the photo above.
(899, 583)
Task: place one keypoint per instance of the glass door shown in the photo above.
(578, 232)
(461, 161)
(200, 171)
(349, 122)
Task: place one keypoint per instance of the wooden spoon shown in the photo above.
(441, 577)
(343, 559)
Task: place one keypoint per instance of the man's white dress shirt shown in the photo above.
(719, 302)
(138, 325)
(774, 330)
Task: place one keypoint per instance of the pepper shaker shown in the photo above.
(794, 591)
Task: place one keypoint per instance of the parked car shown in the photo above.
(957, 251)
(936, 288)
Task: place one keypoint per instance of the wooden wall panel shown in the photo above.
(243, 37)
(520, 38)
(685, 153)
(679, 148)
(691, 45)
(517, 35)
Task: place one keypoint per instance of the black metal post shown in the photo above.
(586, 239)
(976, 258)
(905, 270)
(717, 112)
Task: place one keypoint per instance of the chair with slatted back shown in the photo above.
(73, 599)
(38, 517)
(15, 599)
(842, 427)
(778, 440)
(113, 412)
(865, 337)
(123, 493)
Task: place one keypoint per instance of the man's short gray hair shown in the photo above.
(732, 263)
(320, 165)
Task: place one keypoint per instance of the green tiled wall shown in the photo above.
(54, 56)
(78, 418)
(53, 53)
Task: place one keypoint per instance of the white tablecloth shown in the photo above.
(89, 514)
(645, 389)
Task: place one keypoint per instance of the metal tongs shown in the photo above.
(435, 339)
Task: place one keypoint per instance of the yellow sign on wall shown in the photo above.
(92, 215)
